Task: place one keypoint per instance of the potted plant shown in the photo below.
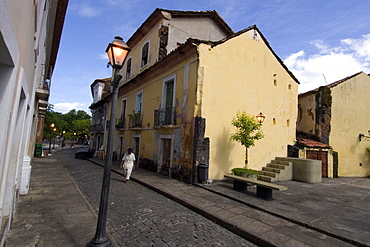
(245, 172)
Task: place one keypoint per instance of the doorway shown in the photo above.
(136, 149)
(319, 155)
(165, 158)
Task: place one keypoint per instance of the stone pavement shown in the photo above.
(137, 216)
(48, 214)
(332, 213)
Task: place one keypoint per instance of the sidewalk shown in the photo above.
(54, 207)
(332, 213)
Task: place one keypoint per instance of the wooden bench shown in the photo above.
(264, 189)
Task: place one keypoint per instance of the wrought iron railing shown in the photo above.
(120, 123)
(96, 128)
(135, 120)
(165, 116)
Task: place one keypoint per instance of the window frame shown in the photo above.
(128, 68)
(164, 90)
(142, 64)
(137, 110)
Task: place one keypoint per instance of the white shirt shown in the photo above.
(129, 159)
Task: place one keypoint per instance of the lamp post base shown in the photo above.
(103, 243)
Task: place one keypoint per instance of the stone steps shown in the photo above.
(276, 170)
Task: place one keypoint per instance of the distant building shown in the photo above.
(185, 78)
(30, 33)
(335, 115)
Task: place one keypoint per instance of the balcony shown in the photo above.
(165, 116)
(97, 128)
(120, 123)
(43, 91)
(135, 120)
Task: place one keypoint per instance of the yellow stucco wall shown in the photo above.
(185, 77)
(242, 74)
(135, 54)
(350, 117)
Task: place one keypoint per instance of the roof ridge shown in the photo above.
(333, 84)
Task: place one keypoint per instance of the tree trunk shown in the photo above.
(246, 158)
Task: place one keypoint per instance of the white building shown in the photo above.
(30, 33)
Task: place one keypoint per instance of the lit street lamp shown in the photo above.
(55, 129)
(52, 126)
(117, 52)
(260, 118)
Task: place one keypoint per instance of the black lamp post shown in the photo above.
(55, 129)
(117, 52)
(52, 126)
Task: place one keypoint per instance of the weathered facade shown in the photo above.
(29, 41)
(336, 114)
(177, 108)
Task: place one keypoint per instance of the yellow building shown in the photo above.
(186, 77)
(336, 115)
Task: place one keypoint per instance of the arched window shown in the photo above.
(145, 54)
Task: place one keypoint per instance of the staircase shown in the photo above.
(277, 170)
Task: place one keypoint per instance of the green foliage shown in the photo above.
(247, 129)
(75, 124)
(134, 119)
(326, 95)
(368, 149)
(242, 171)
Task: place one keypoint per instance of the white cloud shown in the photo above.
(360, 46)
(103, 56)
(87, 11)
(330, 64)
(66, 107)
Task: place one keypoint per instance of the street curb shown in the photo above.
(227, 225)
(230, 226)
(350, 241)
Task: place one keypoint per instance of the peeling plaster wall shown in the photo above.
(323, 114)
(185, 74)
(242, 74)
(153, 37)
(306, 114)
(201, 28)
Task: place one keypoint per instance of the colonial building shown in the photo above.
(30, 33)
(185, 78)
(336, 114)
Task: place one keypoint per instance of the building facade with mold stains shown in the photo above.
(185, 78)
(335, 115)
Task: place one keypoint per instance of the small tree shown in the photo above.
(248, 130)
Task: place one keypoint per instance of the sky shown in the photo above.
(319, 41)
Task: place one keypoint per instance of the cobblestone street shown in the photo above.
(139, 216)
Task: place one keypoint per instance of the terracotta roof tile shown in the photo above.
(311, 143)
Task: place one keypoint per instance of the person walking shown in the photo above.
(128, 163)
(63, 145)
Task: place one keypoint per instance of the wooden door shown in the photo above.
(319, 155)
(166, 157)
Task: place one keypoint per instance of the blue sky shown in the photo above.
(317, 40)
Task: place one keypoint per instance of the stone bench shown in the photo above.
(264, 189)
